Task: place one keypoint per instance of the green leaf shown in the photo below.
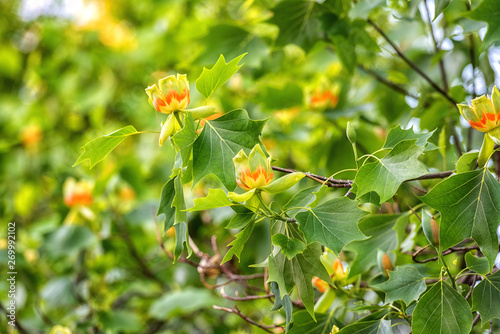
(386, 175)
(289, 246)
(178, 201)
(333, 223)
(485, 297)
(238, 243)
(368, 327)
(284, 302)
(181, 240)
(303, 267)
(185, 138)
(405, 283)
(469, 206)
(442, 310)
(299, 271)
(301, 199)
(99, 148)
(211, 80)
(177, 303)
(477, 264)
(488, 11)
(382, 236)
(467, 162)
(297, 23)
(397, 135)
(220, 141)
(304, 324)
(440, 6)
(242, 218)
(346, 50)
(216, 198)
(165, 207)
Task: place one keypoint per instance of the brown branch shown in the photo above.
(236, 311)
(446, 252)
(476, 320)
(387, 82)
(410, 63)
(252, 297)
(440, 175)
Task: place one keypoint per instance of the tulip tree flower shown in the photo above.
(171, 96)
(484, 115)
(254, 175)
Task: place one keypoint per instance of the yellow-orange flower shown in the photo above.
(484, 113)
(253, 171)
(77, 193)
(171, 94)
(323, 99)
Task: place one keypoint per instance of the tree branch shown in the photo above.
(236, 311)
(436, 47)
(410, 63)
(387, 82)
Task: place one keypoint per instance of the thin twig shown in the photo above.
(476, 320)
(394, 86)
(236, 311)
(471, 288)
(446, 252)
(252, 297)
(410, 63)
(436, 47)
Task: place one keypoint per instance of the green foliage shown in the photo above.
(442, 310)
(333, 223)
(488, 11)
(485, 295)
(405, 283)
(344, 228)
(467, 205)
(210, 80)
(99, 148)
(386, 175)
(220, 141)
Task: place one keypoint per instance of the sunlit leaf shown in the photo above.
(99, 148)
(210, 80)
(386, 175)
(216, 198)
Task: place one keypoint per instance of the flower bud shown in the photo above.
(253, 171)
(171, 94)
(167, 129)
(202, 112)
(431, 229)
(351, 133)
(385, 263)
(320, 284)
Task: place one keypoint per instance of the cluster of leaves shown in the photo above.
(373, 56)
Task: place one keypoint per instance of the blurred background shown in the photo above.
(87, 254)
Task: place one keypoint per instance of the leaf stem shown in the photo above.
(447, 269)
